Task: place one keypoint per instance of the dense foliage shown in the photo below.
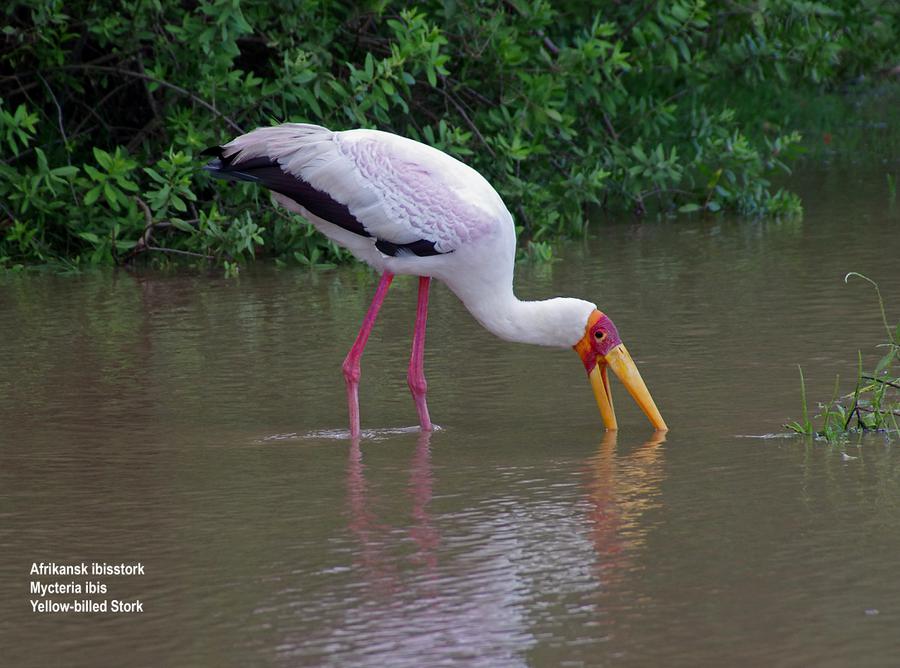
(563, 106)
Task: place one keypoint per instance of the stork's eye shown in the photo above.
(599, 335)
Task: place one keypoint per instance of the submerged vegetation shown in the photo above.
(874, 403)
(671, 105)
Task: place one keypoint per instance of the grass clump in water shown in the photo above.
(874, 404)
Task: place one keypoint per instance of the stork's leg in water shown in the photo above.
(351, 362)
(416, 374)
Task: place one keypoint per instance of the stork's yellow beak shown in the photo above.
(601, 349)
(624, 367)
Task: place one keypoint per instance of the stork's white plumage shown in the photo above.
(406, 208)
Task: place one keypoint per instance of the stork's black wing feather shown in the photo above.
(268, 173)
(422, 248)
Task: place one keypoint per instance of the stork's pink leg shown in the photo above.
(351, 362)
(416, 375)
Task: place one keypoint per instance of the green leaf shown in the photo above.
(125, 184)
(103, 158)
(92, 195)
(688, 208)
(110, 194)
(679, 12)
(94, 174)
(153, 174)
(671, 56)
(183, 226)
(885, 361)
(66, 171)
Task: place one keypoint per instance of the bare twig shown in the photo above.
(882, 410)
(646, 10)
(151, 101)
(9, 213)
(149, 127)
(24, 75)
(165, 224)
(179, 252)
(144, 240)
(609, 127)
(160, 249)
(548, 43)
(96, 105)
(462, 112)
(146, 77)
(468, 90)
(23, 88)
(62, 131)
(425, 110)
(59, 114)
(882, 380)
(29, 151)
(148, 215)
(93, 112)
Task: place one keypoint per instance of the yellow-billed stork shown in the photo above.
(406, 208)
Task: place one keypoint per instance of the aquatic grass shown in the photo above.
(804, 427)
(874, 404)
(833, 414)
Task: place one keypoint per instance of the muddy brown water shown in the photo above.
(196, 424)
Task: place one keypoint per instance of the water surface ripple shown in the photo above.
(197, 424)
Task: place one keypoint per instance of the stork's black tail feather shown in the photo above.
(215, 166)
(263, 171)
(219, 165)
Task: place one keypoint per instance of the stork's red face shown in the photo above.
(601, 348)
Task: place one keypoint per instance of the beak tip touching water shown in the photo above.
(625, 369)
(602, 349)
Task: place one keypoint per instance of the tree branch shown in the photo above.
(881, 380)
(462, 112)
(146, 77)
(179, 252)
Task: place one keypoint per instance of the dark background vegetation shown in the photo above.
(566, 107)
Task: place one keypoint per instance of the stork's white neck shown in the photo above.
(556, 322)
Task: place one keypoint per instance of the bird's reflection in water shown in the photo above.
(621, 489)
(481, 600)
(375, 538)
(408, 604)
(423, 532)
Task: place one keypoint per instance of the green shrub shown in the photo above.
(563, 106)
